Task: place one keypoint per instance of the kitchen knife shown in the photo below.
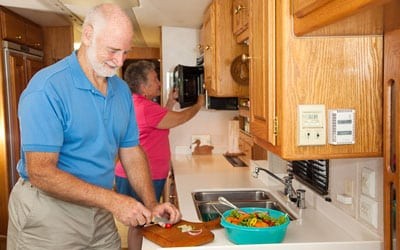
(161, 221)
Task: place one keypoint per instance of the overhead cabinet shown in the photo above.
(220, 50)
(17, 29)
(240, 25)
(338, 17)
(286, 71)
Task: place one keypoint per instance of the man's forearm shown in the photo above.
(138, 173)
(64, 186)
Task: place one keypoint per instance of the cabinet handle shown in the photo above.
(19, 37)
(245, 58)
(207, 47)
(238, 9)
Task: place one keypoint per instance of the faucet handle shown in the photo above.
(301, 198)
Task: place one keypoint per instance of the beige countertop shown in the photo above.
(319, 226)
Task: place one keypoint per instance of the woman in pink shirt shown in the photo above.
(154, 122)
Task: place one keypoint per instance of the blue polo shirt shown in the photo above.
(61, 111)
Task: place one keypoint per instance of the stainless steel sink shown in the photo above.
(206, 202)
(236, 195)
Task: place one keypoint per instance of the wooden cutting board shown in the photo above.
(174, 237)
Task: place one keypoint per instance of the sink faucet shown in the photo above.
(294, 195)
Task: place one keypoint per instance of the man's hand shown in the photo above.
(169, 211)
(130, 212)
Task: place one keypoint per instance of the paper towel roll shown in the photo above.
(233, 137)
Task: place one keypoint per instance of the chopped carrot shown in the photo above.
(260, 224)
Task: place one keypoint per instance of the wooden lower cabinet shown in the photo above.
(287, 71)
(21, 69)
(250, 150)
(170, 193)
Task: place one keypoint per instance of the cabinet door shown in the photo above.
(33, 65)
(16, 85)
(209, 48)
(13, 28)
(21, 70)
(220, 51)
(240, 14)
(34, 36)
(262, 70)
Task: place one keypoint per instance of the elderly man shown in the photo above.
(75, 117)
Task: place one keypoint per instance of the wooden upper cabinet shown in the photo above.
(220, 49)
(240, 19)
(208, 33)
(340, 72)
(338, 17)
(12, 27)
(262, 70)
(20, 30)
(34, 36)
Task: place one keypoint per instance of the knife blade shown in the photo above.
(161, 221)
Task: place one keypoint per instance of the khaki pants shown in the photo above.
(38, 221)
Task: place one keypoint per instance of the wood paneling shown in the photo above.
(144, 53)
(59, 43)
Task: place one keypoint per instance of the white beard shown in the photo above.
(101, 69)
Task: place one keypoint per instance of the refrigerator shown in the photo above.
(20, 63)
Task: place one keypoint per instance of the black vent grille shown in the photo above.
(313, 173)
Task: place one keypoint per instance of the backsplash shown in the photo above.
(206, 122)
(355, 187)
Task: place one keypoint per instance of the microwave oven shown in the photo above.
(189, 81)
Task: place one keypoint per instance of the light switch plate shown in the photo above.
(369, 210)
(311, 125)
(368, 185)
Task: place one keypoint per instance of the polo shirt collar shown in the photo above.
(80, 79)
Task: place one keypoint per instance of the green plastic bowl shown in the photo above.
(255, 235)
